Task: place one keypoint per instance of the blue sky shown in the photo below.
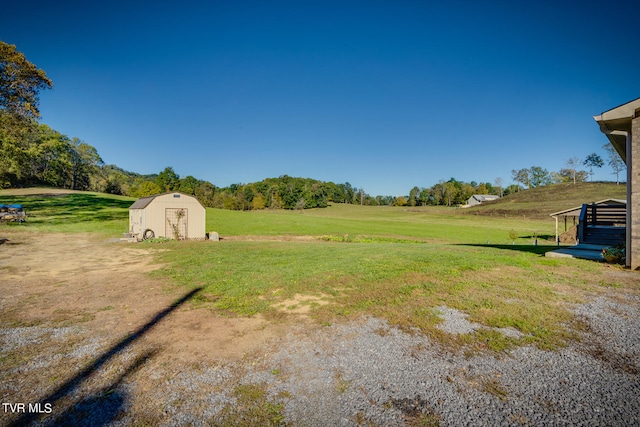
(386, 95)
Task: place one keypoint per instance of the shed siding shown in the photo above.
(153, 216)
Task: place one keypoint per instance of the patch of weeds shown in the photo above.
(491, 385)
(519, 419)
(342, 385)
(416, 350)
(204, 298)
(158, 240)
(382, 331)
(417, 412)
(12, 359)
(495, 340)
(617, 361)
(63, 317)
(145, 420)
(284, 394)
(252, 407)
(10, 269)
(276, 315)
(9, 322)
(106, 308)
(607, 284)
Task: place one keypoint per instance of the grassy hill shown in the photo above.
(542, 201)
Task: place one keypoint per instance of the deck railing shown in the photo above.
(601, 216)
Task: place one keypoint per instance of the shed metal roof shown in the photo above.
(143, 202)
(485, 197)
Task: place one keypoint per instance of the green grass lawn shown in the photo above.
(394, 263)
(397, 281)
(79, 212)
(437, 224)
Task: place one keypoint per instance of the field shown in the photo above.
(275, 269)
(347, 261)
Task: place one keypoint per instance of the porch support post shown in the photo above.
(633, 193)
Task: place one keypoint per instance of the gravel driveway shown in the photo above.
(371, 374)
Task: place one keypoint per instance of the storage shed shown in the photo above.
(173, 215)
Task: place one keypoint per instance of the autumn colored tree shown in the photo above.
(20, 83)
(400, 201)
(258, 202)
(146, 188)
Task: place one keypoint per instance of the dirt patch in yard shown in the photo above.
(302, 304)
(63, 278)
(69, 302)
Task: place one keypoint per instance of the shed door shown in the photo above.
(176, 221)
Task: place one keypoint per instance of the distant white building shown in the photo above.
(476, 199)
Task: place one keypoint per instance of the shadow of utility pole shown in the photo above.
(70, 386)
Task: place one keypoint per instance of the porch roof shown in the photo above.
(576, 211)
(616, 123)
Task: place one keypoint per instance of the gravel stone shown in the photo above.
(386, 379)
(369, 373)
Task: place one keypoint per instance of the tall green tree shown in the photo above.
(414, 196)
(539, 176)
(168, 180)
(85, 161)
(188, 185)
(205, 192)
(522, 176)
(426, 196)
(20, 84)
(593, 161)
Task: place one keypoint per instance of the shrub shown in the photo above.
(614, 254)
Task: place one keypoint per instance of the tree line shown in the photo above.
(454, 192)
(536, 176)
